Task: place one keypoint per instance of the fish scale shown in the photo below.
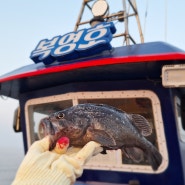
(107, 125)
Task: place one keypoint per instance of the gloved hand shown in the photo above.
(43, 167)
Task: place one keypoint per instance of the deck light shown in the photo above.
(173, 75)
(100, 8)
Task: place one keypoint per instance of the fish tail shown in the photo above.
(154, 157)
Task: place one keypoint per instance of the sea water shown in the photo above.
(10, 160)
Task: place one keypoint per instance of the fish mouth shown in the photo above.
(48, 128)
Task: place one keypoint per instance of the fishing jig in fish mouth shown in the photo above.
(111, 127)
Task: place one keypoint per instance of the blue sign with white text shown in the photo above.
(74, 45)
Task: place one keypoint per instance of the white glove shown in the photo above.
(43, 167)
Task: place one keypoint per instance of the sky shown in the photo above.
(24, 23)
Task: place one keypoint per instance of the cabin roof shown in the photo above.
(120, 63)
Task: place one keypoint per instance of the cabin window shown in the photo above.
(40, 111)
(180, 116)
(144, 103)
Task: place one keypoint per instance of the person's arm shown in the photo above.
(43, 167)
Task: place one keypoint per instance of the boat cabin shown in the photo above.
(146, 78)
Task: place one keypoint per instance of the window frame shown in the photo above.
(178, 115)
(74, 96)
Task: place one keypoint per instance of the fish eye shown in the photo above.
(60, 115)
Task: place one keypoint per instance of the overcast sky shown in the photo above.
(24, 23)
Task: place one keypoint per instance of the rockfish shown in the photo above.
(112, 128)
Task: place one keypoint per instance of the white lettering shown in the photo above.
(64, 49)
(44, 48)
(95, 34)
(92, 38)
(70, 37)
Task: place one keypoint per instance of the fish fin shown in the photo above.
(154, 158)
(104, 151)
(101, 137)
(141, 124)
(134, 153)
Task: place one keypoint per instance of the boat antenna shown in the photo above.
(166, 20)
(100, 13)
(146, 14)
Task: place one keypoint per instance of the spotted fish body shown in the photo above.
(111, 127)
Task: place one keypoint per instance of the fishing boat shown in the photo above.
(83, 67)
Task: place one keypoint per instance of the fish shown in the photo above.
(111, 127)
